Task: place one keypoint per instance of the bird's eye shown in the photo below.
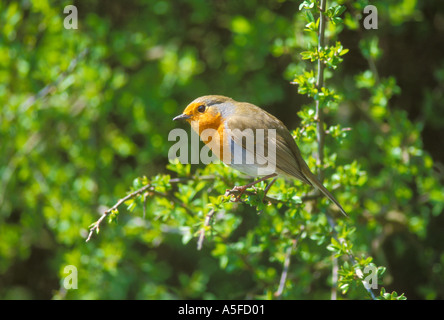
(201, 108)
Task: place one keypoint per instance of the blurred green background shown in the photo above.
(77, 127)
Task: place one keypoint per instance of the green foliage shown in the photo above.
(85, 119)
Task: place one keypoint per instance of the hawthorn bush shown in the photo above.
(85, 122)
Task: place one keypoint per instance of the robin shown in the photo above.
(241, 132)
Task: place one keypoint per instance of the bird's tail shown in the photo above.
(316, 183)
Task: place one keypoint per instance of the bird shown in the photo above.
(234, 125)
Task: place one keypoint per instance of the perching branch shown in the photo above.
(307, 197)
(150, 191)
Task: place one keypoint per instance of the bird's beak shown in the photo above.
(182, 117)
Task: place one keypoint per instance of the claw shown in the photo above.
(241, 189)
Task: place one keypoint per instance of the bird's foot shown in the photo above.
(237, 189)
(241, 189)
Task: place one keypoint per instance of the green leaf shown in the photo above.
(309, 16)
(307, 4)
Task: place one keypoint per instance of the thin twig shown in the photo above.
(284, 274)
(342, 130)
(151, 191)
(319, 85)
(173, 199)
(48, 88)
(334, 278)
(32, 141)
(272, 200)
(145, 197)
(320, 132)
(208, 218)
(95, 226)
(321, 137)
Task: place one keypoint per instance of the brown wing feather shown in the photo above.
(288, 159)
(287, 152)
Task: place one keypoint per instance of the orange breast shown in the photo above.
(214, 122)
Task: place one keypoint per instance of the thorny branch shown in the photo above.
(95, 226)
(149, 190)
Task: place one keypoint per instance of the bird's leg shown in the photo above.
(241, 189)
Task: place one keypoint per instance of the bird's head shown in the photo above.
(207, 112)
